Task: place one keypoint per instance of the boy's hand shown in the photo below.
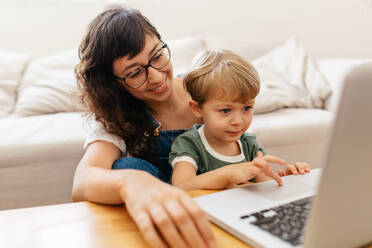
(295, 169)
(262, 162)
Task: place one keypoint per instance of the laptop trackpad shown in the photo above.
(290, 191)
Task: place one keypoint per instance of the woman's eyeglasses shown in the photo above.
(135, 77)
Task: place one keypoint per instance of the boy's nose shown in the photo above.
(236, 119)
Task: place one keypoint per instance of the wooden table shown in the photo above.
(81, 225)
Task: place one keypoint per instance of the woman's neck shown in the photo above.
(170, 112)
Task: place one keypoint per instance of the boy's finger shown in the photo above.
(291, 170)
(268, 170)
(300, 168)
(259, 154)
(274, 159)
(306, 167)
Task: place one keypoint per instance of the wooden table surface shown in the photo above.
(81, 225)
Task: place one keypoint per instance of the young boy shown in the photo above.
(219, 153)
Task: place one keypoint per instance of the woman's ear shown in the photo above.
(195, 109)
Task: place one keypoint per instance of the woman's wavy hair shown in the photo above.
(115, 33)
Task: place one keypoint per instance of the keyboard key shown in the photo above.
(286, 221)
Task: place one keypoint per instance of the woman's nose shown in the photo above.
(154, 75)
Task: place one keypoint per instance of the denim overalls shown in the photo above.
(161, 167)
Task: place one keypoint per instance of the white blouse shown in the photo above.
(95, 131)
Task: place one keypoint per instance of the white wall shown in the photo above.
(327, 28)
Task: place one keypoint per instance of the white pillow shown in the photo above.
(183, 51)
(12, 65)
(49, 86)
(290, 78)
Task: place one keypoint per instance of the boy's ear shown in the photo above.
(194, 106)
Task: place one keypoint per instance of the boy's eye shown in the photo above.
(225, 111)
(247, 108)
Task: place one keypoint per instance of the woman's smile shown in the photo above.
(161, 88)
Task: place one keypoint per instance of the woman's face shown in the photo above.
(159, 84)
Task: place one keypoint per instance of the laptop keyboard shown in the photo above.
(285, 221)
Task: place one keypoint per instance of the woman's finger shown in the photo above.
(200, 219)
(166, 227)
(184, 223)
(281, 173)
(147, 229)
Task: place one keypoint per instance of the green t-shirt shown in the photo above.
(193, 144)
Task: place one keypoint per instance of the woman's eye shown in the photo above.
(156, 57)
(225, 111)
(135, 73)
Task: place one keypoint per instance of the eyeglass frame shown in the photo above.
(146, 67)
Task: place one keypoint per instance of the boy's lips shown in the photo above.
(233, 133)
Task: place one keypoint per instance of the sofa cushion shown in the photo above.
(291, 126)
(335, 71)
(249, 48)
(289, 78)
(12, 65)
(294, 134)
(49, 86)
(40, 138)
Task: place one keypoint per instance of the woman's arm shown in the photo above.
(94, 180)
(163, 214)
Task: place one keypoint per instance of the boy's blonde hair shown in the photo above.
(222, 74)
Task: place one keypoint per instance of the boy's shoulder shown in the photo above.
(192, 132)
(248, 136)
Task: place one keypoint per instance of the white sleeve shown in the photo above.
(184, 159)
(95, 131)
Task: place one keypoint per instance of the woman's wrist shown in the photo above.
(129, 182)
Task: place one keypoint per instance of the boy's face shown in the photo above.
(225, 121)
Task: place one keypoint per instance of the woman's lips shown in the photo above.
(163, 87)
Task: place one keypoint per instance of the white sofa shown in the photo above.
(41, 127)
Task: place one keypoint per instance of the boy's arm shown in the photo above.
(184, 176)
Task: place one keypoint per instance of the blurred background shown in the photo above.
(327, 28)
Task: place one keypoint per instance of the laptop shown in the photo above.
(328, 207)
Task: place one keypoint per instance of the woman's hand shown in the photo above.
(165, 215)
(295, 169)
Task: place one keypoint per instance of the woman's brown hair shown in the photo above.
(115, 33)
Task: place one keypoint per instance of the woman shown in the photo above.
(125, 77)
